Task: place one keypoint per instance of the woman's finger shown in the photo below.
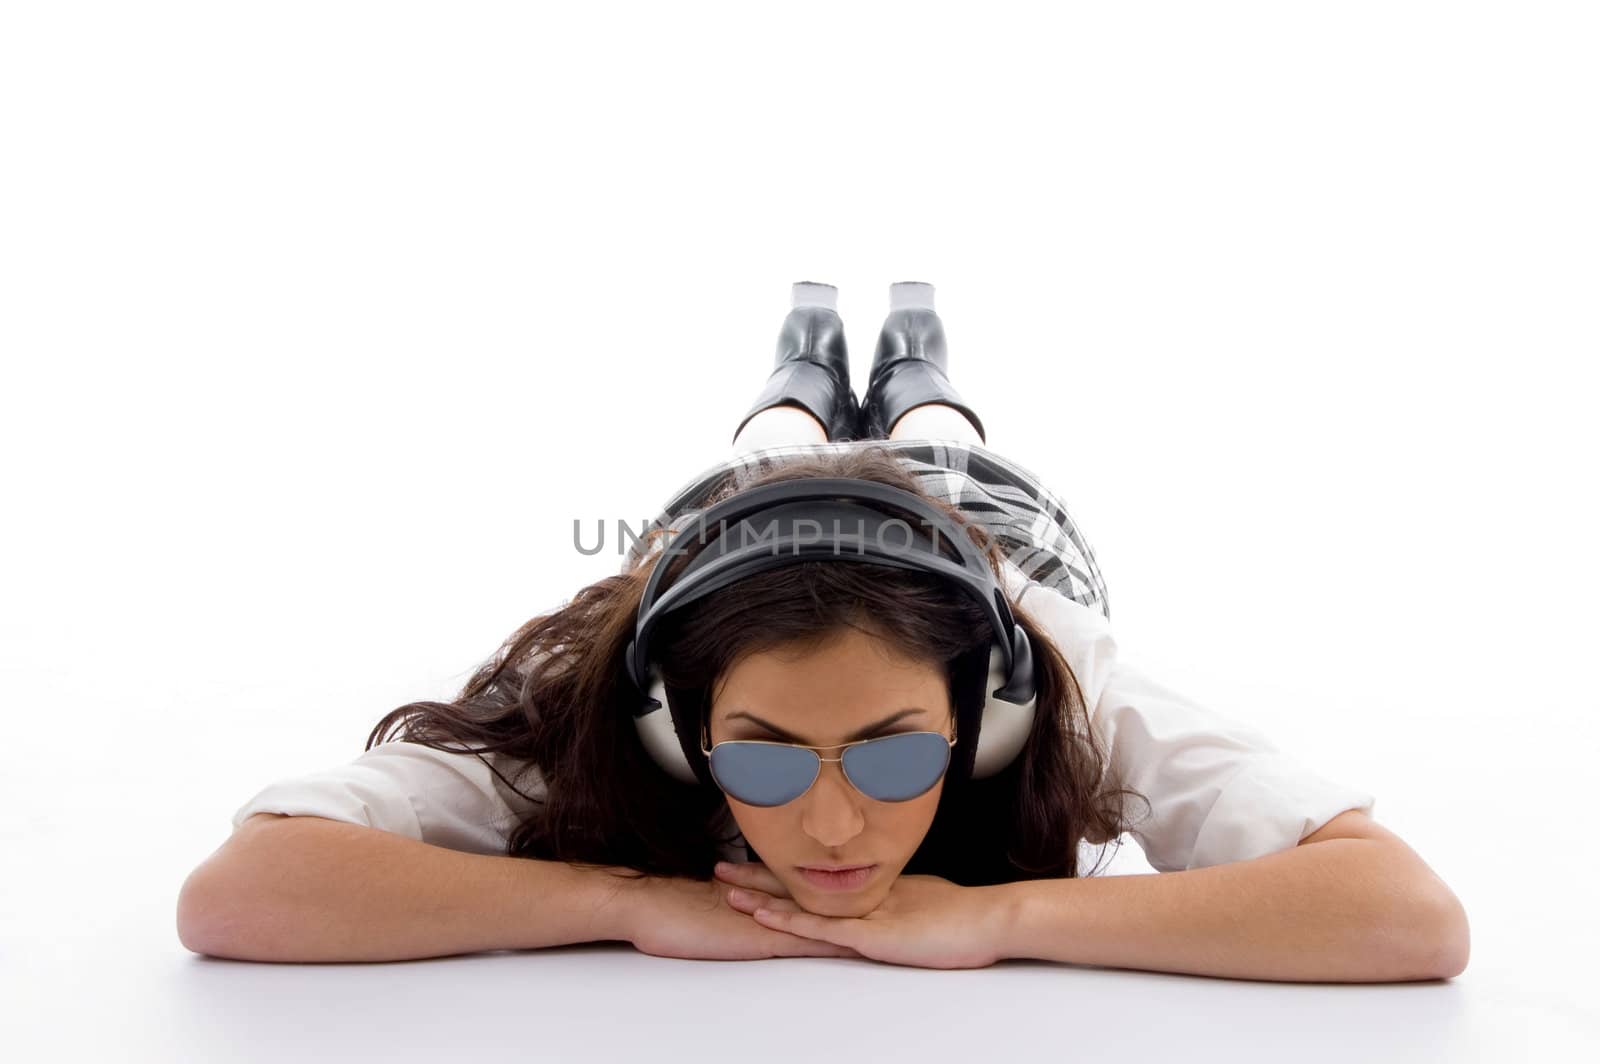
(748, 901)
(752, 874)
(841, 931)
(795, 946)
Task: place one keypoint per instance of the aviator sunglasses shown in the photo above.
(892, 768)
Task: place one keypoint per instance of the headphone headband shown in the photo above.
(826, 503)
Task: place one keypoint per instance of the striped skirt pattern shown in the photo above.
(1030, 522)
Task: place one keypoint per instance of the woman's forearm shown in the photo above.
(310, 889)
(1341, 910)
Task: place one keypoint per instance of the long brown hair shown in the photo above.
(556, 699)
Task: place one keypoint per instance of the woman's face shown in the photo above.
(820, 696)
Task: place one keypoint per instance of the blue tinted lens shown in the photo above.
(897, 768)
(763, 773)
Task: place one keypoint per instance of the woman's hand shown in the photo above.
(674, 916)
(926, 921)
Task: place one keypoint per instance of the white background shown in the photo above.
(322, 322)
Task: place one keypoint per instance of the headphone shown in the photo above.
(813, 503)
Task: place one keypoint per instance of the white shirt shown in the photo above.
(1219, 791)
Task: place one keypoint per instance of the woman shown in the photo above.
(826, 665)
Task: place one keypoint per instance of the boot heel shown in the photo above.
(812, 366)
(910, 366)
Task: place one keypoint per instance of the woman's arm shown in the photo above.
(304, 888)
(1351, 903)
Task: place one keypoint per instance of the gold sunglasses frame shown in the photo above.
(705, 749)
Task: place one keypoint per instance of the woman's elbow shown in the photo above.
(1448, 943)
(194, 915)
(208, 910)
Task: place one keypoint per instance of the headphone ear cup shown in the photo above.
(1006, 725)
(660, 736)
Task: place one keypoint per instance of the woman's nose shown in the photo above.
(832, 814)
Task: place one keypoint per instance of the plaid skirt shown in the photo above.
(1029, 521)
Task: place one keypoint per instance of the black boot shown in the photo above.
(911, 364)
(813, 365)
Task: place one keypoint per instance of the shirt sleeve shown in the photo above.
(1219, 790)
(448, 798)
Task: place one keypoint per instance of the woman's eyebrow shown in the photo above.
(861, 734)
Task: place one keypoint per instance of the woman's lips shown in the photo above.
(854, 879)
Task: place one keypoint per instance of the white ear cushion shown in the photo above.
(659, 738)
(1006, 725)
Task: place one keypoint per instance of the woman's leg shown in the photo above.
(779, 426)
(934, 421)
